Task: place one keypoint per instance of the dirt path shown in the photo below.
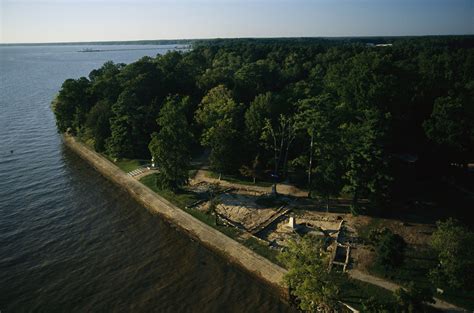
(283, 189)
(439, 304)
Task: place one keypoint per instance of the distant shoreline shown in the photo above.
(105, 43)
(131, 49)
(230, 249)
(380, 38)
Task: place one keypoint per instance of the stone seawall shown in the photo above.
(236, 253)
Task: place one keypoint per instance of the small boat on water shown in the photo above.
(89, 50)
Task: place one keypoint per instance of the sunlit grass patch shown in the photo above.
(128, 165)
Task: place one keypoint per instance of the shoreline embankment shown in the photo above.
(211, 238)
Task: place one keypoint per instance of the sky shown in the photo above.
(25, 21)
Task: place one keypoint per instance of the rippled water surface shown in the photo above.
(70, 241)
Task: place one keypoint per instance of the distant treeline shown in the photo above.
(459, 40)
(332, 114)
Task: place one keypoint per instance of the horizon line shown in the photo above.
(220, 38)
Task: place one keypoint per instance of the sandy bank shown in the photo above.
(236, 253)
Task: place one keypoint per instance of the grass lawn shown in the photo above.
(183, 199)
(180, 199)
(128, 165)
(192, 173)
(88, 142)
(355, 292)
(211, 221)
(237, 179)
(262, 249)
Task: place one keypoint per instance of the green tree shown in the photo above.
(308, 277)
(171, 145)
(224, 65)
(363, 84)
(72, 104)
(125, 126)
(255, 119)
(105, 82)
(366, 162)
(363, 81)
(328, 176)
(255, 116)
(278, 138)
(454, 244)
(450, 126)
(98, 124)
(252, 79)
(316, 117)
(223, 139)
(217, 114)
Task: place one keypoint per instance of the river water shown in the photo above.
(70, 241)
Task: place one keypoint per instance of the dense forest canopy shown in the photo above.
(332, 114)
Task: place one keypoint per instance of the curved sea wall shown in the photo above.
(236, 253)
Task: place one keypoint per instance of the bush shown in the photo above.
(389, 248)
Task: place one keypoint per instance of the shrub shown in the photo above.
(389, 248)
